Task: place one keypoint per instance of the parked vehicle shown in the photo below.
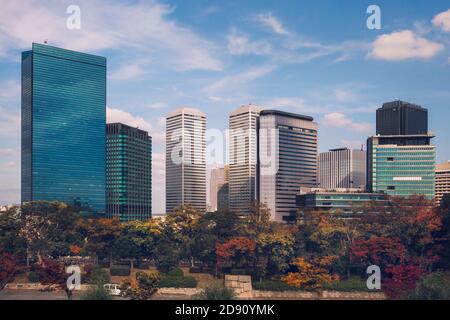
(113, 289)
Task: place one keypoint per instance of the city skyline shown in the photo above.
(343, 102)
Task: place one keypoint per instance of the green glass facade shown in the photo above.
(63, 127)
(401, 170)
(329, 200)
(128, 173)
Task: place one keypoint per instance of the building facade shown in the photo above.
(401, 118)
(442, 181)
(398, 167)
(342, 168)
(287, 159)
(345, 200)
(186, 159)
(63, 127)
(243, 158)
(128, 173)
(219, 176)
(223, 198)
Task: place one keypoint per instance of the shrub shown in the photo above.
(33, 277)
(175, 272)
(272, 285)
(96, 293)
(178, 282)
(435, 286)
(348, 285)
(99, 276)
(216, 292)
(120, 271)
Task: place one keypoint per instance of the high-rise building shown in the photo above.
(186, 159)
(243, 158)
(219, 176)
(399, 168)
(442, 181)
(63, 127)
(401, 118)
(342, 168)
(287, 159)
(400, 158)
(223, 198)
(128, 173)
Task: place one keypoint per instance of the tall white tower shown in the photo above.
(186, 159)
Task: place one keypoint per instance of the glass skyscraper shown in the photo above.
(400, 158)
(63, 127)
(128, 173)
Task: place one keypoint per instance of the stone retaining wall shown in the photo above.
(242, 285)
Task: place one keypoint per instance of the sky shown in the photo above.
(316, 58)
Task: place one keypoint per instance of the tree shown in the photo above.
(275, 251)
(402, 279)
(144, 288)
(238, 252)
(8, 266)
(180, 227)
(313, 274)
(101, 236)
(52, 272)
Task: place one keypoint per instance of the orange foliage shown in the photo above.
(311, 274)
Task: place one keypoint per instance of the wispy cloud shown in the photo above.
(240, 44)
(127, 72)
(143, 27)
(273, 23)
(340, 120)
(242, 78)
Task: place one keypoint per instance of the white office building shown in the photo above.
(186, 159)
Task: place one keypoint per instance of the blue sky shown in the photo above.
(312, 57)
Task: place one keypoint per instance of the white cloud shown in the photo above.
(10, 89)
(117, 115)
(10, 123)
(340, 120)
(403, 45)
(268, 20)
(442, 20)
(242, 78)
(240, 44)
(344, 95)
(142, 27)
(7, 152)
(127, 72)
(156, 105)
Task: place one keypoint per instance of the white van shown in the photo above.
(113, 289)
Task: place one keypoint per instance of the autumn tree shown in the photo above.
(312, 274)
(145, 286)
(237, 252)
(101, 235)
(8, 266)
(274, 251)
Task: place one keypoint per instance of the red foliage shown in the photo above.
(382, 251)
(8, 265)
(402, 279)
(75, 250)
(52, 272)
(235, 252)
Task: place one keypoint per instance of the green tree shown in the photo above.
(275, 251)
